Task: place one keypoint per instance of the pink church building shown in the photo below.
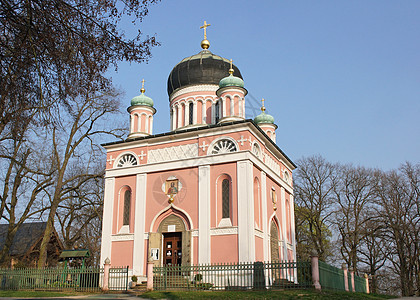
(216, 188)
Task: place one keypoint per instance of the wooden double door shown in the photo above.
(172, 248)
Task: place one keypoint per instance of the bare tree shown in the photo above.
(50, 49)
(23, 181)
(355, 195)
(314, 183)
(70, 140)
(373, 252)
(80, 216)
(398, 193)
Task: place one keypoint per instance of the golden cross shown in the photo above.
(231, 68)
(205, 29)
(142, 86)
(263, 107)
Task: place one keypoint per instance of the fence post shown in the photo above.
(107, 265)
(367, 283)
(346, 280)
(352, 279)
(315, 271)
(150, 274)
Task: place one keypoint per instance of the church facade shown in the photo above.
(216, 188)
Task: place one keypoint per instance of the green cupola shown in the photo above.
(231, 80)
(264, 118)
(142, 99)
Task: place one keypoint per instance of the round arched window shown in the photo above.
(224, 146)
(127, 160)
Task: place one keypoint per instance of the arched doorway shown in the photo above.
(172, 241)
(172, 229)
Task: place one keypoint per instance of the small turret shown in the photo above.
(266, 122)
(231, 95)
(141, 115)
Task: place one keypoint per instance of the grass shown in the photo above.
(38, 294)
(288, 294)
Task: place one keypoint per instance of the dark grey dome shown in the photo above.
(202, 68)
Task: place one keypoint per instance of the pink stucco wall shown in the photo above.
(224, 248)
(259, 249)
(186, 199)
(122, 254)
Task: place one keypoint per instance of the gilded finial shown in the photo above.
(262, 107)
(205, 44)
(231, 67)
(142, 90)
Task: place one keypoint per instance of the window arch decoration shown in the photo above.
(127, 207)
(190, 113)
(217, 111)
(225, 198)
(224, 205)
(222, 146)
(127, 159)
(124, 210)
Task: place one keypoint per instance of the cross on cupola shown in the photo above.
(231, 67)
(205, 29)
(262, 107)
(142, 90)
(205, 44)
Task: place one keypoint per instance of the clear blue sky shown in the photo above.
(341, 78)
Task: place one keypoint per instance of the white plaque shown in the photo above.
(171, 228)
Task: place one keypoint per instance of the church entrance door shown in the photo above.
(172, 247)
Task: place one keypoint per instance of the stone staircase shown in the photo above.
(139, 288)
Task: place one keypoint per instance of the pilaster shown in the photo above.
(139, 225)
(246, 236)
(204, 246)
(109, 191)
(292, 220)
(283, 222)
(266, 240)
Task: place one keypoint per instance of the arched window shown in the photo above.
(274, 242)
(223, 146)
(127, 160)
(191, 113)
(225, 199)
(127, 207)
(217, 111)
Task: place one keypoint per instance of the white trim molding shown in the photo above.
(224, 231)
